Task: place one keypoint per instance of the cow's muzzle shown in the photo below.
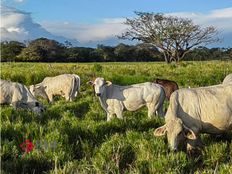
(98, 94)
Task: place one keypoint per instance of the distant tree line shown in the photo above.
(46, 50)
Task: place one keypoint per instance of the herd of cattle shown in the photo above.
(191, 111)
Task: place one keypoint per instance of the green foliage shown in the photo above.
(9, 50)
(46, 50)
(86, 143)
(174, 36)
(42, 49)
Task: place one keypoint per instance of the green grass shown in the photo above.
(86, 143)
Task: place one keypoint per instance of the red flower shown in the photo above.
(27, 146)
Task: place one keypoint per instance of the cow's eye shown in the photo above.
(36, 103)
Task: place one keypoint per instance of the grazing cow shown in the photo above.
(227, 79)
(65, 85)
(114, 99)
(168, 85)
(18, 96)
(197, 110)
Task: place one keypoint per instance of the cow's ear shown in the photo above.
(108, 83)
(32, 88)
(160, 131)
(37, 86)
(90, 83)
(189, 133)
(40, 87)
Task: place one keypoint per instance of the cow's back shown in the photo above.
(228, 79)
(168, 85)
(206, 108)
(56, 84)
(138, 95)
(13, 92)
(6, 92)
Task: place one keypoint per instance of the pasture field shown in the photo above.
(74, 137)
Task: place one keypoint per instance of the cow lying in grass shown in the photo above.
(18, 96)
(114, 98)
(194, 111)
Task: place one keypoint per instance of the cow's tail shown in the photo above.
(72, 93)
(77, 80)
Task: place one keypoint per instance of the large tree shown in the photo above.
(173, 36)
(10, 49)
(43, 49)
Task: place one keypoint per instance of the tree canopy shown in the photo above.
(173, 36)
(45, 50)
(10, 49)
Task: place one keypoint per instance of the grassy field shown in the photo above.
(74, 137)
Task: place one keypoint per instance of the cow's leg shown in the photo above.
(160, 110)
(119, 113)
(109, 116)
(118, 109)
(151, 110)
(14, 105)
(69, 98)
(50, 98)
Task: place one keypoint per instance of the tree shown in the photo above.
(173, 36)
(9, 50)
(43, 49)
(106, 52)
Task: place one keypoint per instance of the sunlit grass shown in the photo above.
(86, 143)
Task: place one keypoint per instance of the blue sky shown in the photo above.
(101, 20)
(84, 11)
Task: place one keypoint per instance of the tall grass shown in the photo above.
(86, 143)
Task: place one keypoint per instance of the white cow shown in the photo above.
(114, 99)
(194, 111)
(65, 85)
(227, 79)
(18, 96)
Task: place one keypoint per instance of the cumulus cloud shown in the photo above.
(107, 28)
(103, 30)
(220, 18)
(18, 25)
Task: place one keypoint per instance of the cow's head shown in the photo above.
(38, 90)
(99, 85)
(37, 108)
(177, 133)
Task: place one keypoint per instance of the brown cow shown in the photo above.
(168, 85)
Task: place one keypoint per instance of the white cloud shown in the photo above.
(18, 25)
(19, 1)
(220, 18)
(105, 29)
(108, 28)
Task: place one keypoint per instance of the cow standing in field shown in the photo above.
(168, 85)
(65, 85)
(228, 79)
(18, 96)
(114, 98)
(194, 111)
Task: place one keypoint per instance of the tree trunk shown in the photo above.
(167, 58)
